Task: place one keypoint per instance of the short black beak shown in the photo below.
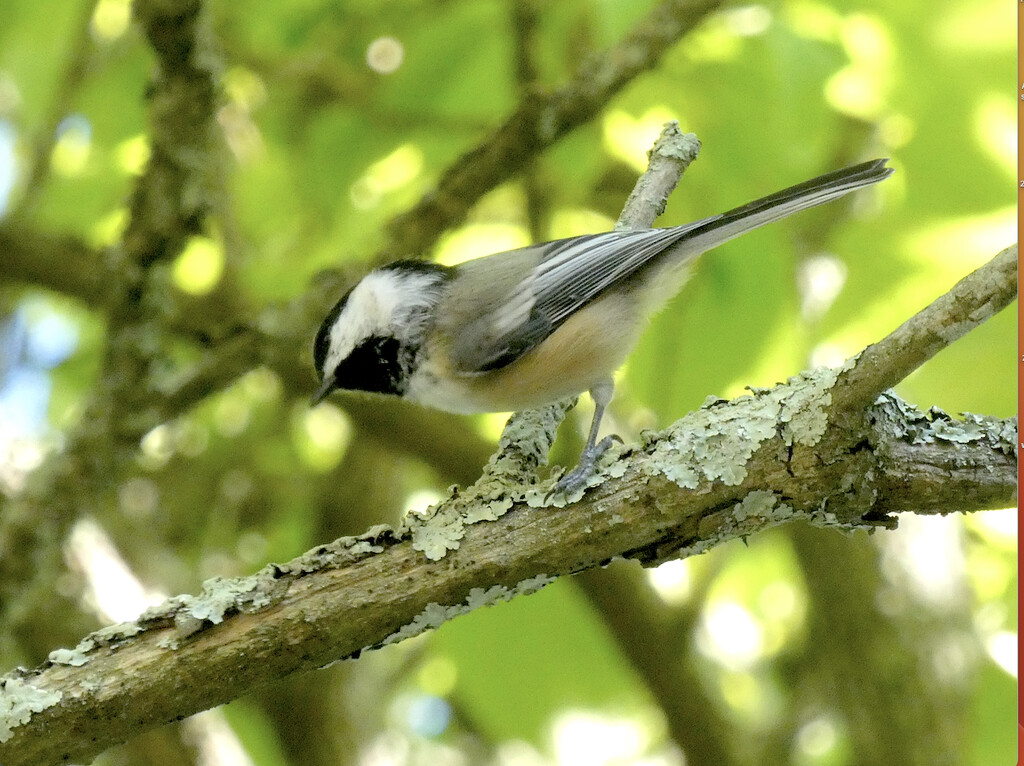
(321, 393)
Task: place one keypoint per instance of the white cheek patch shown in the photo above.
(382, 304)
(361, 318)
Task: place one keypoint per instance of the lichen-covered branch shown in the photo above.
(776, 458)
(973, 300)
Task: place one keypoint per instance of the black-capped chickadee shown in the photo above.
(527, 327)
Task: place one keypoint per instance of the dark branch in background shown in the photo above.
(872, 670)
(524, 18)
(175, 195)
(280, 336)
(169, 204)
(58, 262)
(685, 490)
(538, 123)
(655, 638)
(80, 272)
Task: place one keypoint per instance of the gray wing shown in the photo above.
(567, 274)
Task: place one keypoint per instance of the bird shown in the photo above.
(523, 328)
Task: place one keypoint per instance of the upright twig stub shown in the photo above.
(669, 158)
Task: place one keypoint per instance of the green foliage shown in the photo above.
(573, 663)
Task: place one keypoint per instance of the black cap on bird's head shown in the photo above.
(321, 346)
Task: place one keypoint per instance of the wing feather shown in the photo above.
(570, 273)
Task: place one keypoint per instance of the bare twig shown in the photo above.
(973, 300)
(671, 156)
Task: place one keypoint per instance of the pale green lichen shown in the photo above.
(716, 441)
(19, 701)
(526, 440)
(507, 478)
(905, 421)
(341, 552)
(758, 510)
(108, 636)
(72, 657)
(112, 634)
(682, 146)
(221, 595)
(434, 615)
(961, 433)
(363, 548)
(760, 504)
(491, 510)
(436, 531)
(804, 411)
(1001, 434)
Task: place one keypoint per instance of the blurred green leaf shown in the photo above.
(521, 662)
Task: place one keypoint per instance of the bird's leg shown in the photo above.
(577, 478)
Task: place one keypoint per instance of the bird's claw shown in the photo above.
(577, 478)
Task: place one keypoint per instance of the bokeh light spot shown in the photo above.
(198, 268)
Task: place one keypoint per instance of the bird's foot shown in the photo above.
(577, 478)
